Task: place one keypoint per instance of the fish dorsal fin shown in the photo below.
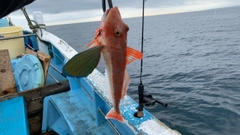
(132, 55)
(125, 84)
(82, 64)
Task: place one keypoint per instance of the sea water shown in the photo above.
(191, 61)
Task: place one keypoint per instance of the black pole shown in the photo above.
(141, 70)
(139, 113)
(144, 99)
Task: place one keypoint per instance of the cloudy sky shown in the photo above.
(71, 11)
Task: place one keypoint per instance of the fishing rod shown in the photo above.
(144, 99)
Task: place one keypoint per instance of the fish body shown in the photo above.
(112, 35)
(111, 40)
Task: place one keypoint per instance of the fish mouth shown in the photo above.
(111, 12)
(106, 14)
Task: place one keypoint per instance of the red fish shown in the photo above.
(111, 41)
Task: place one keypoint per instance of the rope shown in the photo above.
(35, 27)
(9, 21)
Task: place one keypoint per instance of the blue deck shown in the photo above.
(13, 117)
(72, 115)
(78, 112)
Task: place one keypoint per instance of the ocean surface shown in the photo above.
(191, 61)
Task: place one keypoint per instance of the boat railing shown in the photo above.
(15, 37)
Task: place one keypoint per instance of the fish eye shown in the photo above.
(99, 33)
(117, 32)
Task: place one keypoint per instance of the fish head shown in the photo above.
(112, 31)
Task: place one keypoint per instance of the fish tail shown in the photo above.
(114, 115)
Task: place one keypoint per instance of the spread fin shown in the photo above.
(114, 115)
(82, 64)
(93, 43)
(125, 84)
(132, 55)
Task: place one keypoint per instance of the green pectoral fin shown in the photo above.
(82, 64)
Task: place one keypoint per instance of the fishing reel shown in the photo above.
(145, 100)
(148, 100)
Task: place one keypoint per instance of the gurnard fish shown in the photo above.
(110, 41)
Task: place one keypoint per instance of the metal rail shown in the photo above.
(84, 89)
(111, 124)
(55, 68)
(53, 78)
(14, 37)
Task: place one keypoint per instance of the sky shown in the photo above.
(73, 11)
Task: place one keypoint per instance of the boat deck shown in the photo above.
(81, 111)
(78, 114)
